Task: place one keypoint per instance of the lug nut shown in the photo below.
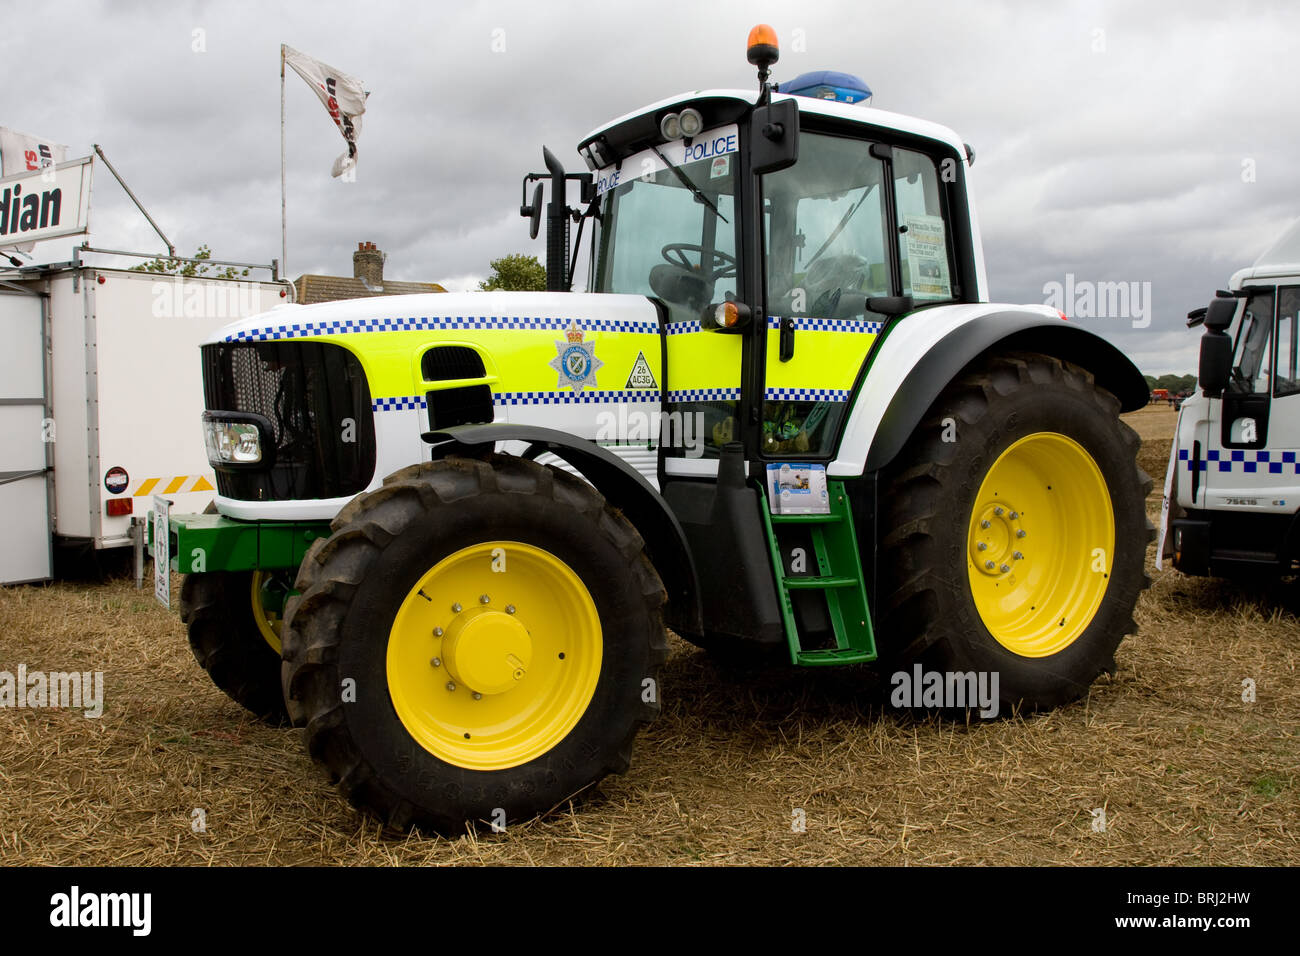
(997, 511)
(437, 632)
(510, 609)
(981, 546)
(484, 599)
(1022, 533)
(1005, 568)
(1013, 516)
(477, 695)
(436, 662)
(985, 523)
(1018, 556)
(989, 565)
(451, 685)
(455, 608)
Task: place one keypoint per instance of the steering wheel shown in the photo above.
(675, 254)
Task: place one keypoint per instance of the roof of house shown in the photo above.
(314, 288)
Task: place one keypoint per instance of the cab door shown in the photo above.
(1251, 450)
(851, 220)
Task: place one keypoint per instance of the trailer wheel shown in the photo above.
(1017, 532)
(477, 642)
(234, 634)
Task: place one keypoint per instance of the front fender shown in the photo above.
(927, 350)
(623, 487)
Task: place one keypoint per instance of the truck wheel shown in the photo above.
(235, 635)
(1016, 532)
(476, 642)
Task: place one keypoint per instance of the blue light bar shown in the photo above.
(829, 85)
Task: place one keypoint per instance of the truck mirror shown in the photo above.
(535, 213)
(775, 143)
(1216, 359)
(1219, 313)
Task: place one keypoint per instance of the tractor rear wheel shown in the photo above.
(233, 625)
(1016, 533)
(476, 642)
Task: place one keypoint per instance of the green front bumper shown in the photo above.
(210, 542)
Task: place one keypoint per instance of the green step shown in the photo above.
(839, 577)
(806, 519)
(834, 656)
(796, 583)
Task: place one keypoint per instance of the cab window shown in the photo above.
(1286, 380)
(1250, 358)
(924, 245)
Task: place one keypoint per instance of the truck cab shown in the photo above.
(1233, 485)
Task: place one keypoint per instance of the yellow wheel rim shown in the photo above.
(494, 655)
(1040, 544)
(268, 622)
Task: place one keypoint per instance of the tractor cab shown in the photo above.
(780, 234)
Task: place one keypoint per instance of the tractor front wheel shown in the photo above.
(477, 642)
(233, 622)
(1016, 533)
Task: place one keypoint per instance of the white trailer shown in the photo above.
(100, 398)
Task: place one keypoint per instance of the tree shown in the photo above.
(189, 270)
(515, 273)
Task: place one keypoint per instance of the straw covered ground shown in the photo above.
(1185, 771)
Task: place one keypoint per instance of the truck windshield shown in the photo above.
(657, 238)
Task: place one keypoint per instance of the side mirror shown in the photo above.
(534, 212)
(775, 143)
(1220, 313)
(1216, 360)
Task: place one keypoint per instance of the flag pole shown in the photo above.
(284, 232)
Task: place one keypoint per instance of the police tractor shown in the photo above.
(1232, 489)
(451, 530)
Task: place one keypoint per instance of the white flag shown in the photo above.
(21, 153)
(343, 95)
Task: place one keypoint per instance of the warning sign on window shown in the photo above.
(641, 376)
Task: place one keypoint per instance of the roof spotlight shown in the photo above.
(690, 122)
(670, 126)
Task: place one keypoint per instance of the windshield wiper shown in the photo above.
(840, 228)
(686, 181)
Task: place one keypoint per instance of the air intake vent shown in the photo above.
(448, 362)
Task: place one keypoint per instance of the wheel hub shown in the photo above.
(997, 540)
(486, 650)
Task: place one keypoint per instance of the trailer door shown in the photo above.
(26, 431)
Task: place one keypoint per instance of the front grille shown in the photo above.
(318, 402)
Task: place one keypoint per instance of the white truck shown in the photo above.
(1232, 490)
(100, 387)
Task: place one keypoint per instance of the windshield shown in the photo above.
(660, 237)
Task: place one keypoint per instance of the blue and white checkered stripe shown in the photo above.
(584, 397)
(703, 395)
(682, 328)
(400, 403)
(1242, 460)
(812, 324)
(806, 395)
(295, 330)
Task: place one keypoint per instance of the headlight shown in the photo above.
(234, 439)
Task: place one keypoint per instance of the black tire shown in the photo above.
(217, 609)
(929, 614)
(383, 544)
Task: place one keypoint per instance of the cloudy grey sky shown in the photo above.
(1145, 142)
